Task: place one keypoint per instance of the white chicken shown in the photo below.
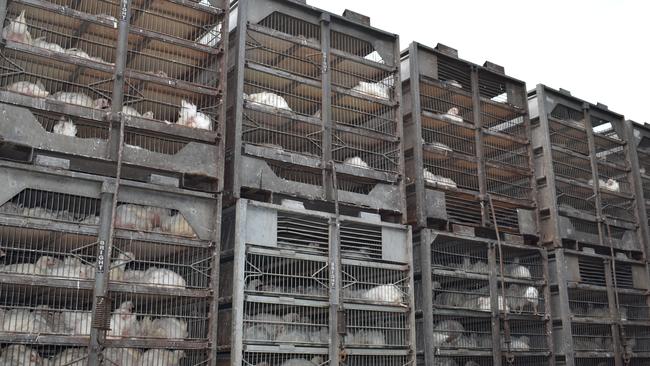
(17, 30)
(454, 83)
(72, 267)
(70, 357)
(65, 127)
(170, 328)
(121, 356)
(19, 355)
(520, 296)
(267, 99)
(376, 90)
(612, 185)
(81, 99)
(163, 277)
(189, 116)
(123, 322)
(176, 225)
(25, 321)
(454, 114)
(42, 43)
(516, 270)
(118, 266)
(133, 275)
(41, 267)
(77, 322)
(27, 88)
(517, 343)
(82, 54)
(356, 161)
(384, 293)
(438, 180)
(136, 217)
(130, 111)
(161, 357)
(366, 337)
(437, 145)
(446, 331)
(484, 304)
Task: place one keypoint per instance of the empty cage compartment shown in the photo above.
(509, 183)
(594, 361)
(567, 134)
(378, 358)
(506, 151)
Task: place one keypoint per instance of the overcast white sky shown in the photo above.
(599, 49)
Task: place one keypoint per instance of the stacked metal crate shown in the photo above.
(111, 159)
(640, 164)
(314, 111)
(320, 271)
(481, 285)
(284, 301)
(467, 143)
(590, 223)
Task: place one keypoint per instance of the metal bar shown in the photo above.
(214, 281)
(336, 312)
(613, 310)
(326, 100)
(567, 348)
(548, 319)
(239, 58)
(426, 238)
(238, 285)
(400, 129)
(480, 154)
(416, 120)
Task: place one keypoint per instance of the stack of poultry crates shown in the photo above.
(481, 282)
(112, 164)
(316, 268)
(587, 185)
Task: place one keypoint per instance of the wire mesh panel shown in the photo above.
(503, 119)
(522, 264)
(451, 333)
(504, 151)
(636, 340)
(42, 354)
(615, 178)
(575, 197)
(374, 284)
(152, 356)
(284, 359)
(454, 360)
(273, 274)
(366, 152)
(633, 307)
(572, 166)
(592, 337)
(569, 134)
(446, 101)
(462, 293)
(588, 303)
(508, 182)
(525, 336)
(594, 361)
(520, 360)
(460, 255)
(266, 323)
(376, 329)
(383, 360)
(442, 135)
(617, 207)
(449, 171)
(524, 299)
(506, 215)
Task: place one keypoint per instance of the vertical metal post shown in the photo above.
(642, 218)
(426, 239)
(494, 304)
(613, 311)
(548, 322)
(238, 285)
(400, 128)
(550, 234)
(337, 322)
(326, 105)
(3, 12)
(108, 210)
(214, 280)
(105, 246)
(478, 140)
(239, 70)
(565, 311)
(594, 174)
(416, 120)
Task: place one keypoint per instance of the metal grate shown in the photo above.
(573, 116)
(594, 361)
(373, 284)
(40, 354)
(460, 255)
(592, 337)
(298, 174)
(570, 196)
(53, 206)
(84, 129)
(451, 292)
(444, 171)
(277, 275)
(637, 339)
(280, 324)
(617, 207)
(283, 359)
(451, 70)
(370, 360)
(376, 329)
(592, 271)
(302, 233)
(633, 307)
(507, 182)
(610, 151)
(154, 356)
(463, 209)
(616, 179)
(507, 217)
(572, 166)
(446, 103)
(152, 219)
(571, 136)
(503, 119)
(524, 299)
(161, 265)
(362, 241)
(365, 151)
(446, 136)
(506, 151)
(471, 333)
(526, 336)
(522, 264)
(624, 275)
(585, 303)
(291, 26)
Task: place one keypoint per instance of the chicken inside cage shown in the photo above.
(285, 324)
(460, 293)
(522, 299)
(592, 337)
(373, 284)
(376, 328)
(283, 359)
(288, 276)
(468, 333)
(148, 218)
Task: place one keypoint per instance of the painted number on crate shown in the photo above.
(100, 256)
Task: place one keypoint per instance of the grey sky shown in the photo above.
(599, 49)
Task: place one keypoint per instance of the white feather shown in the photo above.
(268, 100)
(25, 87)
(42, 43)
(438, 180)
(356, 161)
(65, 127)
(17, 30)
(161, 357)
(377, 90)
(163, 277)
